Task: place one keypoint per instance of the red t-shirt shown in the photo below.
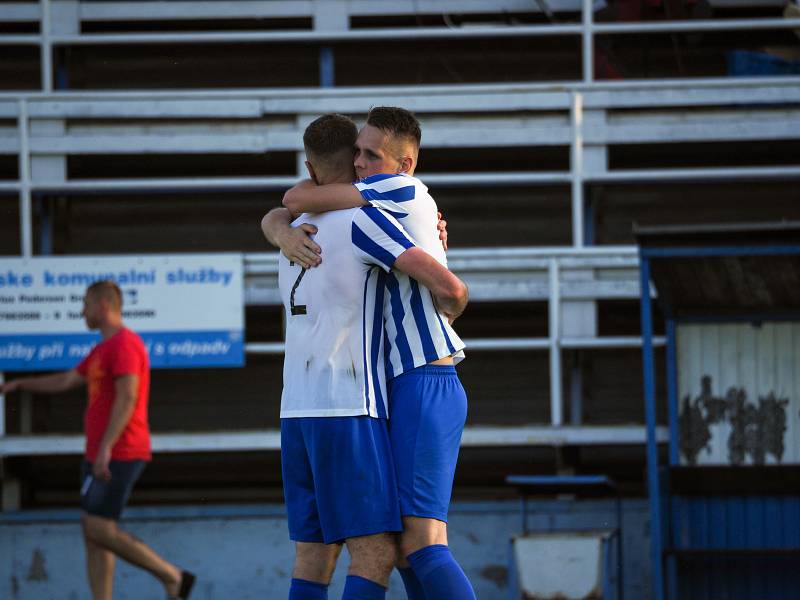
(121, 354)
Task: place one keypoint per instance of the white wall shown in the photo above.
(756, 360)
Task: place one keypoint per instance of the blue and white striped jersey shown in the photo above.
(417, 332)
(334, 360)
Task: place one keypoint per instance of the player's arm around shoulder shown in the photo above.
(451, 294)
(307, 196)
(380, 239)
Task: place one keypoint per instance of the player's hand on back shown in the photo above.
(442, 227)
(297, 245)
(451, 317)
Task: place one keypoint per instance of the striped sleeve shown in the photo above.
(389, 192)
(378, 239)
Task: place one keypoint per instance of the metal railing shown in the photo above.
(533, 274)
(525, 274)
(587, 122)
(332, 32)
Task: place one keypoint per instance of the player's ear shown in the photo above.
(311, 172)
(406, 165)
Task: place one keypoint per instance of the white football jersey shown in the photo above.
(334, 361)
(417, 332)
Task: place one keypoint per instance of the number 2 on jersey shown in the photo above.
(297, 309)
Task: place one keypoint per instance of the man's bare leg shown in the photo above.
(107, 534)
(372, 557)
(418, 533)
(100, 568)
(315, 562)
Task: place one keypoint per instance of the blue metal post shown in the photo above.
(524, 515)
(326, 66)
(650, 418)
(674, 442)
(62, 71)
(620, 569)
(672, 392)
(588, 221)
(513, 576)
(46, 226)
(607, 567)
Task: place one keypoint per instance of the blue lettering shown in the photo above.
(84, 280)
(10, 279)
(201, 276)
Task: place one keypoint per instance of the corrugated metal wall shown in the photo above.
(739, 393)
(737, 522)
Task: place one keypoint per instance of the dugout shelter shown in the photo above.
(727, 500)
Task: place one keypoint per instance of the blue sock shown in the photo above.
(414, 589)
(441, 576)
(303, 589)
(358, 588)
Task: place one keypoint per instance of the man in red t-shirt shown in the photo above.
(117, 372)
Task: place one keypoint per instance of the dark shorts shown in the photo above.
(107, 499)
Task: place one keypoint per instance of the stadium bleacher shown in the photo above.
(141, 127)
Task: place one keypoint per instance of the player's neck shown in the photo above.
(111, 327)
(344, 178)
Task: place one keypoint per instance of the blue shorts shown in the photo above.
(427, 412)
(338, 478)
(107, 499)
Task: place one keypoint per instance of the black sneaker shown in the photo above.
(187, 583)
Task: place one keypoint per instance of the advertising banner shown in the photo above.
(188, 309)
